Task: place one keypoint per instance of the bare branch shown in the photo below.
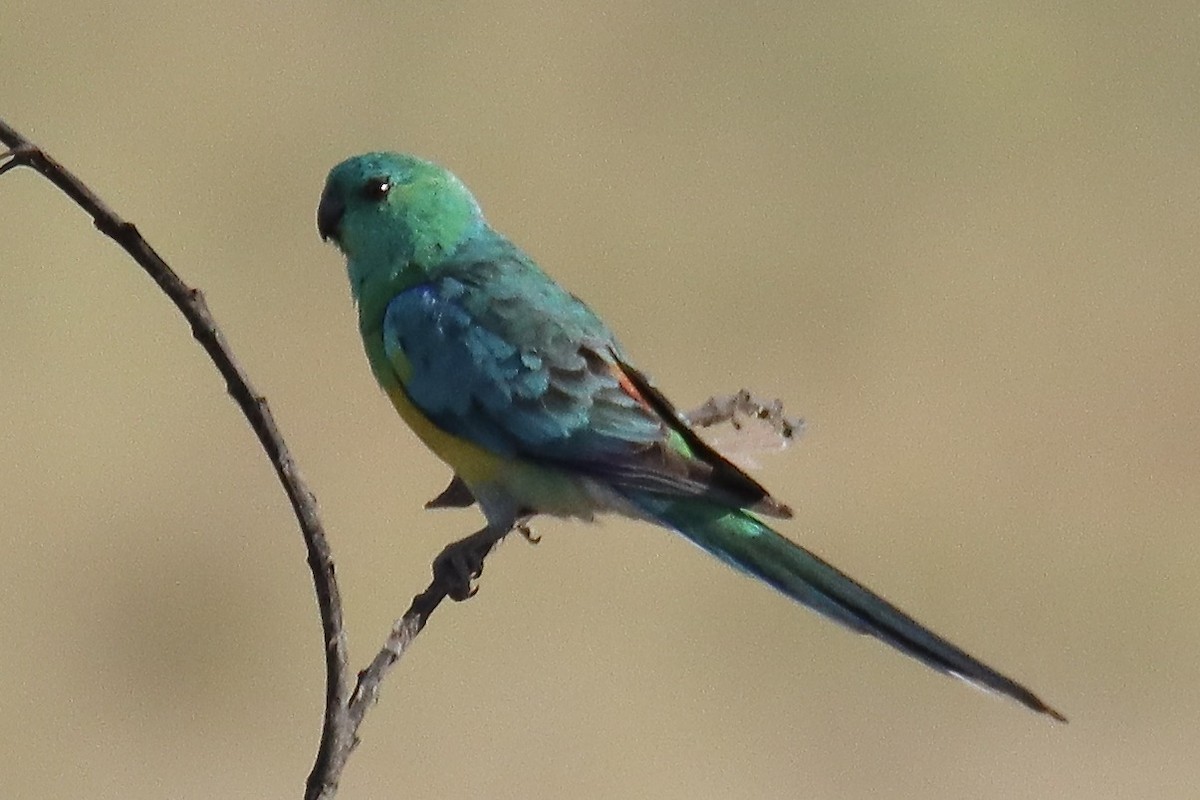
(404, 630)
(337, 734)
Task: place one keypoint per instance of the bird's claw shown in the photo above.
(524, 529)
(459, 565)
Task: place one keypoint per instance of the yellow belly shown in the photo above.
(472, 463)
(528, 486)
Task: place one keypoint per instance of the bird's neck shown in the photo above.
(377, 277)
(373, 288)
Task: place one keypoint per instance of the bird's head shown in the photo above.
(393, 210)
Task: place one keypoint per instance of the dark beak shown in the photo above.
(329, 216)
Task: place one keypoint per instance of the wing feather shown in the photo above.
(495, 352)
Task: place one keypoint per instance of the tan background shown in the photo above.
(959, 238)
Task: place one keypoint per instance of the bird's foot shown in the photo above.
(523, 528)
(461, 563)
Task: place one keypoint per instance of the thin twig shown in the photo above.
(405, 629)
(726, 408)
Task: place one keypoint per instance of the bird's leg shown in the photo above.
(461, 563)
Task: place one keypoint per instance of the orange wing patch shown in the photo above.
(629, 387)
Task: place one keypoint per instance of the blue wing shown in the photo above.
(501, 355)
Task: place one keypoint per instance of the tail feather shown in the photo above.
(744, 542)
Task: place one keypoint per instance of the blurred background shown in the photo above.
(959, 238)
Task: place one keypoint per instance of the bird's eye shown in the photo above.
(375, 189)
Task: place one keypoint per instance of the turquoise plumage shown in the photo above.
(527, 395)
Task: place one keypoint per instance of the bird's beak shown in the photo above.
(329, 216)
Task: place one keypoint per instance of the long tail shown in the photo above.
(742, 541)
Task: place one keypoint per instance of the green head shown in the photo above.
(395, 212)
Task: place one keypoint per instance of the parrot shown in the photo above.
(527, 396)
